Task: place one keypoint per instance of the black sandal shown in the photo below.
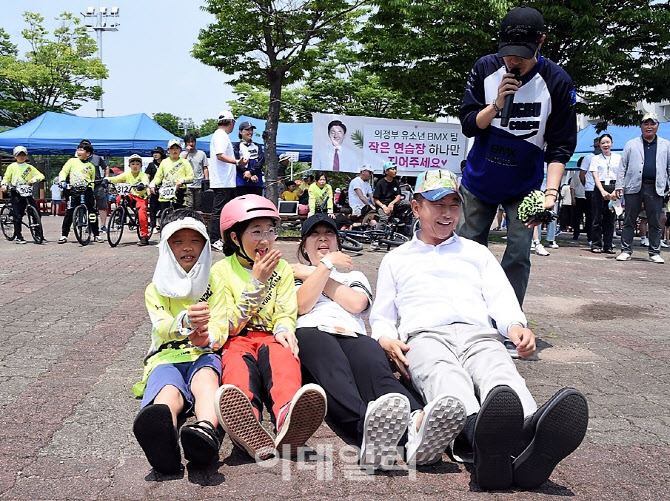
(609, 251)
(201, 442)
(157, 436)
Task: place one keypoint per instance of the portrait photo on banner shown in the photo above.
(343, 143)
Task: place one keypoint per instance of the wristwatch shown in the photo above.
(328, 263)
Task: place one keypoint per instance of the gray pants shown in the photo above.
(466, 362)
(194, 198)
(653, 205)
(475, 222)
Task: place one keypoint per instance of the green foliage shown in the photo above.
(207, 127)
(425, 49)
(271, 44)
(169, 122)
(55, 74)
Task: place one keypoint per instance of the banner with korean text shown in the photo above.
(344, 143)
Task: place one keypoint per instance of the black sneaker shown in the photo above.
(20, 240)
(557, 428)
(143, 241)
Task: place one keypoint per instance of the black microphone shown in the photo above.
(509, 99)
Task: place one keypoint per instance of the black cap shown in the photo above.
(520, 32)
(318, 218)
(246, 125)
(159, 149)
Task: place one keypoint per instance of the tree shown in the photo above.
(425, 49)
(272, 44)
(169, 122)
(55, 74)
(207, 127)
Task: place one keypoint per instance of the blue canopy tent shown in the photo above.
(620, 135)
(290, 137)
(56, 133)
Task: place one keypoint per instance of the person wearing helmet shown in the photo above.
(159, 155)
(174, 171)
(138, 197)
(260, 358)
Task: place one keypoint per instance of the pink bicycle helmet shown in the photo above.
(246, 207)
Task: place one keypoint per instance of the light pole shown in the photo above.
(98, 22)
(185, 124)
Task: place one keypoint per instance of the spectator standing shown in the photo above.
(249, 178)
(222, 171)
(507, 161)
(604, 168)
(643, 177)
(586, 178)
(159, 155)
(579, 202)
(56, 195)
(199, 163)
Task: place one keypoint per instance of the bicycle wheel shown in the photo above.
(349, 243)
(115, 226)
(82, 230)
(394, 239)
(7, 222)
(35, 224)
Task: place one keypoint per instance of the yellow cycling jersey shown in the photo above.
(170, 172)
(271, 306)
(81, 173)
(129, 178)
(21, 174)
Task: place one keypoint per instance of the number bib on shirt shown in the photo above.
(167, 192)
(25, 190)
(123, 188)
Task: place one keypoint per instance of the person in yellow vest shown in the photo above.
(174, 172)
(138, 198)
(20, 174)
(79, 172)
(182, 369)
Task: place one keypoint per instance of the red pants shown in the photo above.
(140, 205)
(263, 369)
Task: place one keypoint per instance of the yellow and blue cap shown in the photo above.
(436, 184)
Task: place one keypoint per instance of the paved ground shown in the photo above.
(75, 329)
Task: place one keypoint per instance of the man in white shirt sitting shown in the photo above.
(436, 298)
(360, 192)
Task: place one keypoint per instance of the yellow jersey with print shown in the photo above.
(320, 199)
(80, 173)
(290, 196)
(24, 173)
(253, 305)
(170, 172)
(128, 177)
(168, 344)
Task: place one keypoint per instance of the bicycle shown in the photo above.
(168, 193)
(33, 216)
(392, 234)
(81, 218)
(124, 215)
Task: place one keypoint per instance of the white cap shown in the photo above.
(20, 149)
(365, 167)
(226, 115)
(173, 142)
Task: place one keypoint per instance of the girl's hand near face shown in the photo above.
(264, 266)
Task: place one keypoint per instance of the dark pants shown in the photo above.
(19, 204)
(578, 210)
(603, 220)
(74, 199)
(475, 223)
(352, 371)
(589, 215)
(653, 205)
(566, 217)
(249, 190)
(221, 197)
(194, 198)
(154, 205)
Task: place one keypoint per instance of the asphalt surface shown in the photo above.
(74, 331)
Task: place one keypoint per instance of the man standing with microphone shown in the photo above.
(520, 108)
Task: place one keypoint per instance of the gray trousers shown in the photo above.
(653, 205)
(475, 222)
(466, 362)
(194, 198)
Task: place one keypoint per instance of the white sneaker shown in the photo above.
(644, 242)
(218, 246)
(62, 240)
(98, 240)
(443, 420)
(664, 244)
(386, 420)
(553, 245)
(533, 244)
(540, 250)
(655, 258)
(624, 256)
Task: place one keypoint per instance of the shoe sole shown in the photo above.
(236, 416)
(157, 436)
(497, 431)
(308, 409)
(199, 448)
(559, 432)
(385, 424)
(440, 426)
